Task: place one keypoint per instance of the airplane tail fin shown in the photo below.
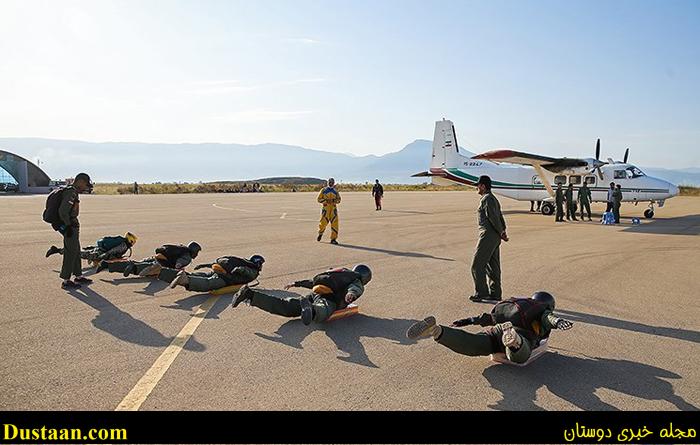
(445, 149)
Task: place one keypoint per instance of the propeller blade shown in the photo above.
(627, 152)
(600, 173)
(597, 150)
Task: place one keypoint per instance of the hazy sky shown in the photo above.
(358, 77)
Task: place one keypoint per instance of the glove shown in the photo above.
(463, 322)
(564, 325)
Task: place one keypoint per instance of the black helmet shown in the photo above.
(545, 298)
(364, 272)
(258, 260)
(194, 248)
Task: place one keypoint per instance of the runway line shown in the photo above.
(283, 215)
(229, 208)
(140, 392)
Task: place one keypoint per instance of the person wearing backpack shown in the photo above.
(514, 326)
(107, 248)
(62, 210)
(330, 290)
(225, 271)
(173, 256)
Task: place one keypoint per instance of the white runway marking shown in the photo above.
(229, 208)
(140, 392)
(283, 215)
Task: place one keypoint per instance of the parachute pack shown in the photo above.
(110, 242)
(53, 202)
(522, 312)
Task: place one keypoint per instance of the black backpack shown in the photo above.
(53, 202)
(522, 312)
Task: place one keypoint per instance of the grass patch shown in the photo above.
(687, 190)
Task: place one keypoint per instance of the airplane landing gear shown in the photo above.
(649, 213)
(547, 208)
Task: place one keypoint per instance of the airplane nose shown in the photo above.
(673, 189)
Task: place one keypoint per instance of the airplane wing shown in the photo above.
(518, 157)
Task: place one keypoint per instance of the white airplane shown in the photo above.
(534, 181)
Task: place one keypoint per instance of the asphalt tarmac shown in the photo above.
(133, 343)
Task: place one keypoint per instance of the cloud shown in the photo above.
(255, 116)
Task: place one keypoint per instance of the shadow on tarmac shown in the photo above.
(154, 285)
(680, 225)
(192, 301)
(122, 325)
(346, 334)
(662, 331)
(395, 252)
(577, 380)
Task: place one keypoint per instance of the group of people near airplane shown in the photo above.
(514, 326)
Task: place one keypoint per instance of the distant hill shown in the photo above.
(210, 162)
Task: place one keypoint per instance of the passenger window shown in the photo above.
(620, 174)
(560, 179)
(590, 180)
(575, 180)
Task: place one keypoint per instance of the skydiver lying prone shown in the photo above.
(331, 290)
(226, 271)
(174, 256)
(107, 248)
(515, 327)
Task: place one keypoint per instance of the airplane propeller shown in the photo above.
(598, 163)
(627, 152)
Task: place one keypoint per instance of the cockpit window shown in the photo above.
(634, 172)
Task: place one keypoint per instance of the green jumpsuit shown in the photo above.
(178, 262)
(323, 305)
(617, 202)
(487, 256)
(559, 200)
(208, 281)
(490, 341)
(570, 204)
(68, 211)
(584, 199)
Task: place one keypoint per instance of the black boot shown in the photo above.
(307, 311)
(244, 294)
(52, 251)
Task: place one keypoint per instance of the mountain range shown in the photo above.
(144, 162)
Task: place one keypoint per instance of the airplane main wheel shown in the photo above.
(648, 213)
(547, 209)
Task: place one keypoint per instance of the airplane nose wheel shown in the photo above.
(547, 209)
(649, 213)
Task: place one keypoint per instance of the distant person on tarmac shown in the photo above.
(617, 202)
(136, 188)
(584, 200)
(611, 190)
(487, 257)
(173, 256)
(570, 203)
(378, 193)
(559, 201)
(515, 327)
(329, 198)
(330, 290)
(107, 248)
(69, 227)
